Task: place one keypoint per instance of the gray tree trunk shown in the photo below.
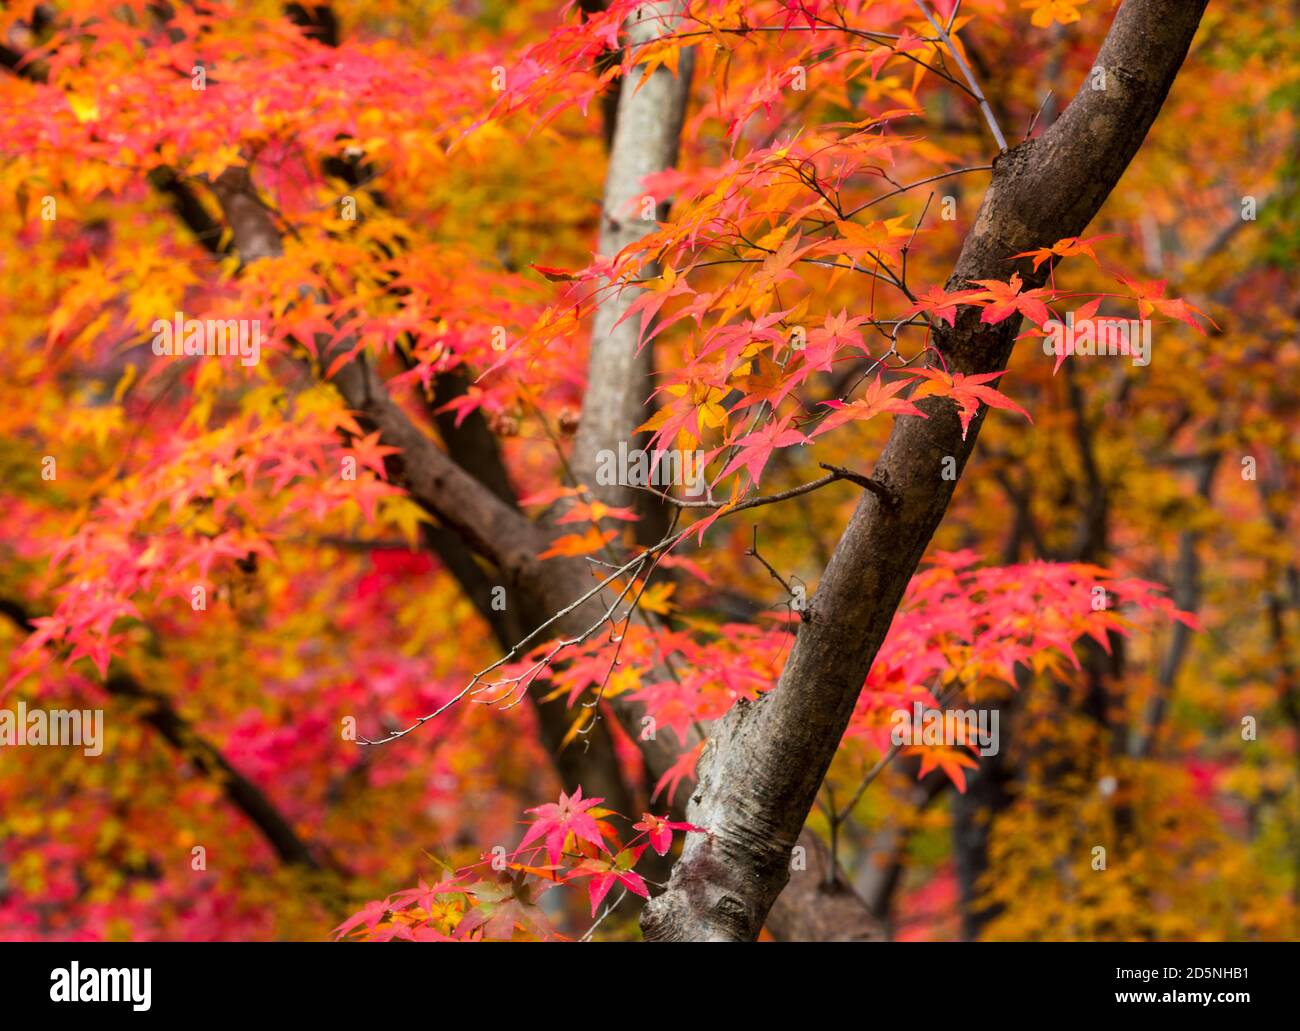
(647, 134)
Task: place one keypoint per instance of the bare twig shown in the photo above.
(970, 78)
(885, 760)
(866, 482)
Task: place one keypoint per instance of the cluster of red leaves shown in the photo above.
(746, 385)
(959, 623)
(971, 627)
(497, 899)
(199, 501)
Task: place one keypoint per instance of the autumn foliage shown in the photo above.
(339, 704)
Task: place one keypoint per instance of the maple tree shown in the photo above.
(598, 459)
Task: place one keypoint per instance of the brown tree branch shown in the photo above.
(242, 793)
(819, 904)
(490, 526)
(1187, 596)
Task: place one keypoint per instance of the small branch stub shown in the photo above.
(877, 488)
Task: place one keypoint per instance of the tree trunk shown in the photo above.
(647, 133)
(762, 768)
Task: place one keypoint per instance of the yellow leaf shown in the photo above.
(406, 516)
(84, 108)
(655, 599)
(574, 728)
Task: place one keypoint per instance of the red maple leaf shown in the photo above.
(660, 831)
(966, 391)
(1150, 295)
(825, 342)
(370, 453)
(878, 399)
(1064, 248)
(558, 820)
(756, 448)
(682, 767)
(1004, 299)
(605, 873)
(943, 306)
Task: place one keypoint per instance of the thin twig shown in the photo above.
(600, 919)
(885, 760)
(877, 488)
(975, 90)
(913, 186)
(1037, 114)
(753, 552)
